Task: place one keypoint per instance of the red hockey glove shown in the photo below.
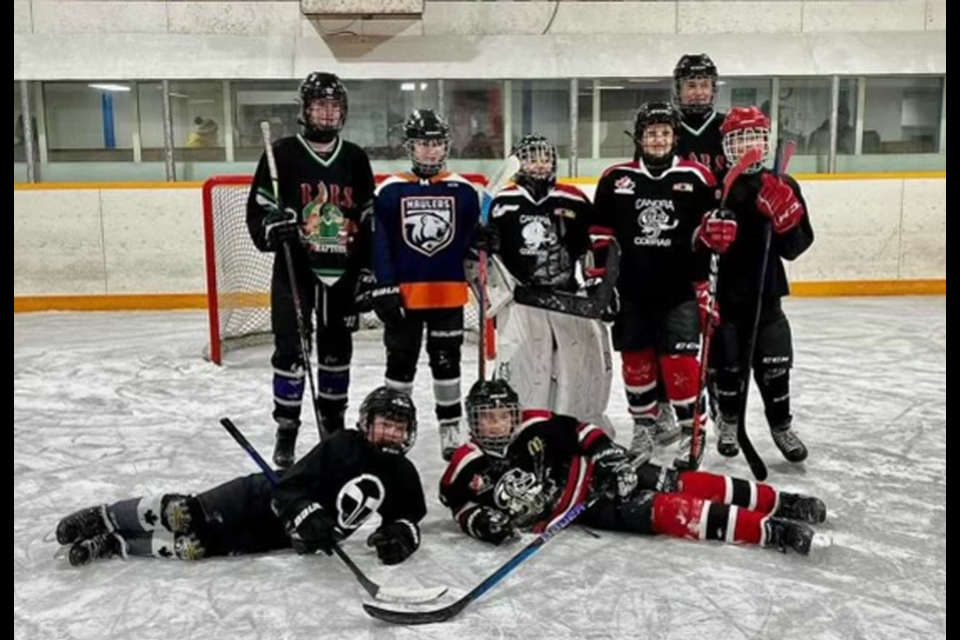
(599, 242)
(717, 230)
(704, 299)
(778, 202)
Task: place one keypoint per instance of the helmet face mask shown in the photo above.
(323, 106)
(538, 164)
(656, 132)
(695, 84)
(493, 411)
(426, 137)
(743, 129)
(388, 419)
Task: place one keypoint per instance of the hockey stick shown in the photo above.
(448, 612)
(487, 346)
(757, 466)
(292, 278)
(371, 587)
(750, 157)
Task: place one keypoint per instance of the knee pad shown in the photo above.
(444, 361)
(333, 368)
(401, 368)
(774, 352)
(286, 353)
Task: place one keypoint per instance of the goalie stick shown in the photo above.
(446, 613)
(487, 347)
(595, 306)
(750, 157)
(757, 466)
(376, 591)
(292, 279)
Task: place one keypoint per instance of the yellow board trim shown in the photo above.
(166, 302)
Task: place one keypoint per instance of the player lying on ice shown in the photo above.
(527, 471)
(323, 498)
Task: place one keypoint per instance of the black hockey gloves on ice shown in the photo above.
(395, 541)
(281, 226)
(387, 304)
(490, 525)
(614, 473)
(311, 529)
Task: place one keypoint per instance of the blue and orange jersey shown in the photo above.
(423, 229)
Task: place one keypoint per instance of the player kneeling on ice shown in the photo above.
(529, 469)
(323, 498)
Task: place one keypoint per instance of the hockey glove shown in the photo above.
(281, 226)
(600, 238)
(702, 289)
(487, 238)
(312, 529)
(717, 230)
(490, 525)
(395, 541)
(778, 202)
(614, 471)
(387, 304)
(363, 294)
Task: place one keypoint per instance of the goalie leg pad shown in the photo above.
(582, 366)
(525, 353)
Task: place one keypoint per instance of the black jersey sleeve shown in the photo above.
(792, 244)
(261, 192)
(364, 188)
(405, 494)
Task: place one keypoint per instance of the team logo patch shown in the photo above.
(429, 222)
(538, 235)
(359, 499)
(655, 218)
(565, 213)
(683, 186)
(624, 186)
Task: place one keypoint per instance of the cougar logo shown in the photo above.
(359, 499)
(537, 235)
(655, 218)
(429, 223)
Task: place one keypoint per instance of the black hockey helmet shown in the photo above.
(320, 86)
(694, 66)
(486, 395)
(651, 113)
(426, 125)
(392, 404)
(534, 151)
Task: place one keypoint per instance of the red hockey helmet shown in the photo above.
(745, 128)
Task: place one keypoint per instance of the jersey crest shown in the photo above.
(655, 218)
(537, 235)
(429, 222)
(359, 499)
(325, 227)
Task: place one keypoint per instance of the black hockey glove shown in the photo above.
(395, 541)
(614, 472)
(387, 304)
(281, 226)
(312, 529)
(490, 525)
(487, 238)
(363, 294)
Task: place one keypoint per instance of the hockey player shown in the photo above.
(325, 188)
(695, 94)
(528, 471)
(322, 499)
(654, 208)
(425, 222)
(538, 230)
(758, 198)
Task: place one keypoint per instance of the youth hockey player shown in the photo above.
(322, 213)
(758, 198)
(322, 499)
(654, 208)
(538, 229)
(528, 471)
(695, 94)
(425, 223)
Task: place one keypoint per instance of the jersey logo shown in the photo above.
(359, 499)
(429, 222)
(326, 228)
(502, 209)
(654, 218)
(624, 186)
(537, 235)
(683, 186)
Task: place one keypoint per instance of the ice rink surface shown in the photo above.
(109, 406)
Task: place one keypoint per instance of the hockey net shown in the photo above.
(238, 274)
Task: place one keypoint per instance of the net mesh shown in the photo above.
(238, 274)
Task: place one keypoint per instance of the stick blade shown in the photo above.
(410, 596)
(414, 617)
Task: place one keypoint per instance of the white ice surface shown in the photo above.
(108, 406)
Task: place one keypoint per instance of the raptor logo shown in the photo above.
(429, 223)
(359, 499)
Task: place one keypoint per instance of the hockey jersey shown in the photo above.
(540, 241)
(423, 230)
(333, 197)
(654, 219)
(701, 141)
(550, 452)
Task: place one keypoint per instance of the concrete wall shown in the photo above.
(150, 240)
(118, 39)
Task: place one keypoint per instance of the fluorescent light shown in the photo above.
(408, 86)
(423, 86)
(109, 87)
